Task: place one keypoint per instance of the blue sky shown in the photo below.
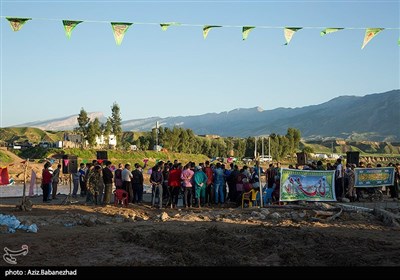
(154, 73)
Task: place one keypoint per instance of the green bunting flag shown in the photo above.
(369, 34)
(17, 23)
(289, 32)
(330, 30)
(164, 26)
(69, 25)
(119, 30)
(246, 30)
(207, 29)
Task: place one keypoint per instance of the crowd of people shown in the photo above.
(199, 185)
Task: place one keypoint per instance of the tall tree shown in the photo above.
(91, 134)
(107, 129)
(83, 121)
(116, 122)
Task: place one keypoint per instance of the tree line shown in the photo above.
(90, 129)
(181, 140)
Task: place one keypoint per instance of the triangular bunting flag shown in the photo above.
(145, 160)
(66, 161)
(69, 25)
(207, 29)
(330, 30)
(4, 178)
(246, 30)
(369, 34)
(100, 161)
(289, 32)
(119, 30)
(17, 23)
(84, 161)
(164, 26)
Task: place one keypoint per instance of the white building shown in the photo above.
(101, 140)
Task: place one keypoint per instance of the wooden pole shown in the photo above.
(24, 189)
(26, 205)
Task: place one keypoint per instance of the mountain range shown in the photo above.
(374, 117)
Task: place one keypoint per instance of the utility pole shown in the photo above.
(262, 147)
(157, 136)
(255, 148)
(269, 146)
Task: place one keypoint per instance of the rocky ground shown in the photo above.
(299, 235)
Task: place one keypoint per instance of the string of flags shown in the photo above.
(120, 28)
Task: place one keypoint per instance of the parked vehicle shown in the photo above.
(265, 158)
(247, 160)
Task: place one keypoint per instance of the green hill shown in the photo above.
(364, 147)
(28, 134)
(116, 157)
(4, 158)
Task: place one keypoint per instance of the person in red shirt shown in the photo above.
(46, 181)
(210, 180)
(174, 183)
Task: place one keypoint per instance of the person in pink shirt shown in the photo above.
(186, 176)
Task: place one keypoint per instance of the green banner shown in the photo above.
(17, 23)
(374, 177)
(119, 30)
(289, 32)
(307, 185)
(246, 30)
(330, 30)
(207, 29)
(369, 34)
(69, 25)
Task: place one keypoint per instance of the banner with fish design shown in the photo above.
(307, 185)
(374, 177)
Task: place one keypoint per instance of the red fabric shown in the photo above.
(46, 177)
(210, 175)
(174, 179)
(121, 196)
(4, 178)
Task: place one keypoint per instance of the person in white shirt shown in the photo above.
(126, 180)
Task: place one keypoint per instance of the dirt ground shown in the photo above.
(79, 235)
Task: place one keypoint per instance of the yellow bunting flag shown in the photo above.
(164, 26)
(289, 32)
(69, 25)
(369, 34)
(119, 30)
(246, 30)
(207, 29)
(17, 23)
(330, 30)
